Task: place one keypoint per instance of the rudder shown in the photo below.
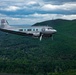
(4, 23)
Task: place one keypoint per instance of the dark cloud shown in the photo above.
(59, 1)
(22, 12)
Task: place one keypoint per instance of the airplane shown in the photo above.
(35, 31)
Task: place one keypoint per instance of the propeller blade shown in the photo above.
(41, 37)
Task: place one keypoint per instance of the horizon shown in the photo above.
(40, 22)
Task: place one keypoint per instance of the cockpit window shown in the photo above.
(49, 28)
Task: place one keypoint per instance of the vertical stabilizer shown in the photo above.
(4, 24)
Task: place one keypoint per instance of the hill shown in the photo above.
(22, 54)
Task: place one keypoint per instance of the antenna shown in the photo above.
(7, 22)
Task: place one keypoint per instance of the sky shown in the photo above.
(29, 12)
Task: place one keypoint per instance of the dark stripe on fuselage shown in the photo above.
(22, 33)
(15, 32)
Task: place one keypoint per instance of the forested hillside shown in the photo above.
(27, 55)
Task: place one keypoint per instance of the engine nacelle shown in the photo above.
(36, 34)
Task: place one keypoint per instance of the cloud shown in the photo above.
(38, 6)
(34, 18)
(32, 3)
(34, 7)
(66, 6)
(48, 7)
(68, 17)
(11, 8)
(58, 2)
(32, 11)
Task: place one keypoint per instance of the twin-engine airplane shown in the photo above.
(35, 31)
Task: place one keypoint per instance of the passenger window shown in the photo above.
(49, 28)
(28, 29)
(24, 29)
(36, 29)
(33, 29)
(20, 29)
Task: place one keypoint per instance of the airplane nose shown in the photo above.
(54, 31)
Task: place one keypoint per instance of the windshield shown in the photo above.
(50, 28)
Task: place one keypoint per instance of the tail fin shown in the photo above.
(4, 23)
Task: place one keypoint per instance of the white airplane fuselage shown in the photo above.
(36, 31)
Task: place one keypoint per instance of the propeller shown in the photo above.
(41, 37)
